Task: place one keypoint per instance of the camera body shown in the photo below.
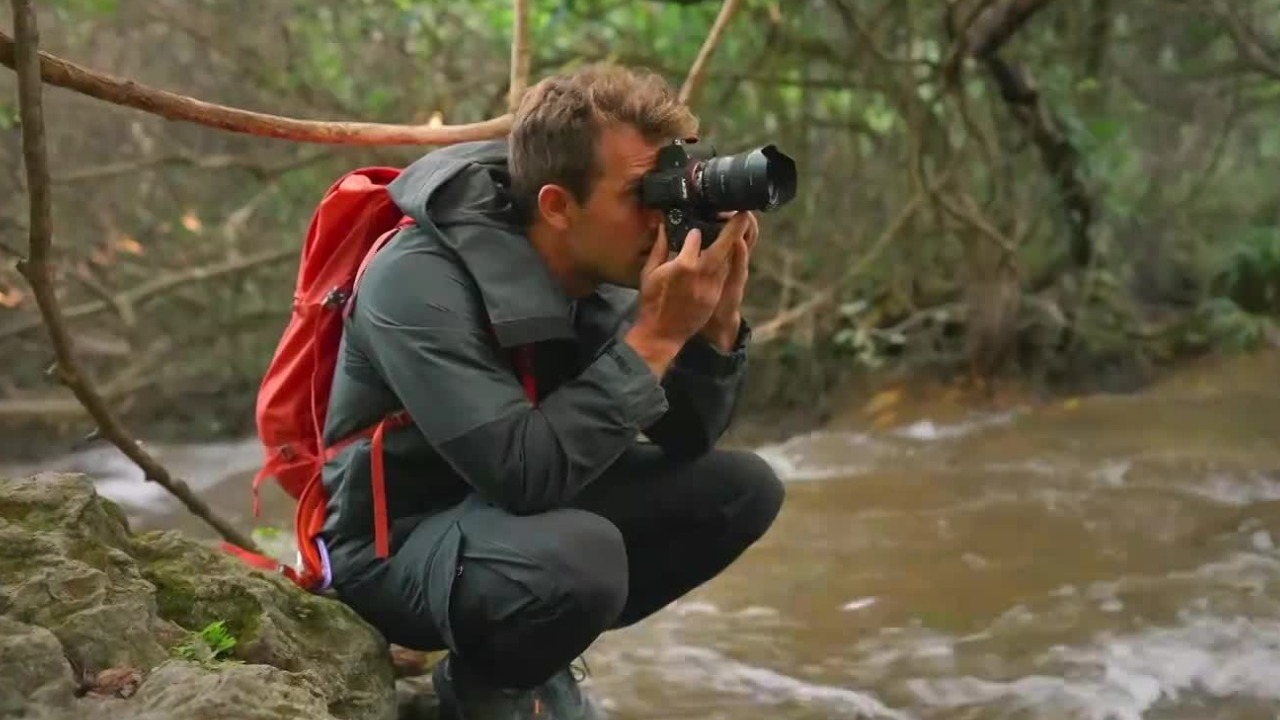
(693, 186)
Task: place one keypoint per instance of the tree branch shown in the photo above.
(992, 28)
(249, 163)
(159, 286)
(27, 63)
(172, 106)
(1060, 158)
(985, 30)
(993, 24)
(770, 330)
(139, 374)
(1251, 47)
(520, 54)
(693, 81)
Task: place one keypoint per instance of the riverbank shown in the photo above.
(942, 557)
(192, 432)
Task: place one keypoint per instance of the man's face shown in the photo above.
(612, 233)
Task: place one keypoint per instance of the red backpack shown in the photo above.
(354, 219)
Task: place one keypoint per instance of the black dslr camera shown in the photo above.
(692, 186)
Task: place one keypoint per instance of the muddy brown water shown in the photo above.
(1106, 558)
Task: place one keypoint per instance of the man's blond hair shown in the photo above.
(557, 125)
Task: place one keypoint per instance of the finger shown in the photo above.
(742, 258)
(692, 248)
(753, 231)
(657, 253)
(726, 270)
(739, 262)
(719, 252)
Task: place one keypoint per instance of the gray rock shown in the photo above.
(97, 623)
(33, 671)
(179, 690)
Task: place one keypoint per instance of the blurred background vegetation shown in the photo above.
(1095, 199)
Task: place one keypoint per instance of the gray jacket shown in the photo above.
(437, 314)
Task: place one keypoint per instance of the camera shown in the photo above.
(693, 186)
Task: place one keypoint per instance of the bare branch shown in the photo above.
(993, 23)
(966, 211)
(1060, 158)
(993, 28)
(27, 63)
(172, 106)
(1252, 48)
(987, 29)
(520, 53)
(770, 330)
(693, 81)
(159, 286)
(250, 163)
(138, 375)
(959, 34)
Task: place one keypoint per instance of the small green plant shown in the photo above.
(212, 644)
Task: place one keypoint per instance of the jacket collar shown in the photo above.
(460, 194)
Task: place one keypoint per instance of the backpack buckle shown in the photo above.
(337, 297)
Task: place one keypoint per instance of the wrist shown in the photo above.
(722, 332)
(657, 351)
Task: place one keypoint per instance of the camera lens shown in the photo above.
(761, 179)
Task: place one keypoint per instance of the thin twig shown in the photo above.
(27, 64)
(173, 106)
(693, 81)
(769, 330)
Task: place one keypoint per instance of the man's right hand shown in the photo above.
(678, 296)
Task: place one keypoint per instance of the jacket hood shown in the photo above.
(462, 193)
(483, 190)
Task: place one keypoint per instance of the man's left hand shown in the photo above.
(722, 329)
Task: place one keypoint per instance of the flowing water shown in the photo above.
(1107, 558)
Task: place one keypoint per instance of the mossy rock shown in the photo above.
(274, 622)
(95, 622)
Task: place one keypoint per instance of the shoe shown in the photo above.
(466, 698)
(565, 698)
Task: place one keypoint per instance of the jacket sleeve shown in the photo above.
(434, 350)
(702, 387)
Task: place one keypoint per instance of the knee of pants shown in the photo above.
(521, 613)
(758, 492)
(588, 562)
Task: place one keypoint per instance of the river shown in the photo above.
(1101, 558)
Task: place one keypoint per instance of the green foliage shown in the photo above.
(1171, 126)
(67, 9)
(1220, 323)
(213, 643)
(1249, 270)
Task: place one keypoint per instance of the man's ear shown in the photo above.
(556, 206)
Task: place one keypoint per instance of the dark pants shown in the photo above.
(517, 598)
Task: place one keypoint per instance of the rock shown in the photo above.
(97, 622)
(179, 689)
(33, 671)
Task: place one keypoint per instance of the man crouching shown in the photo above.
(532, 324)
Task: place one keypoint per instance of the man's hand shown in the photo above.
(678, 298)
(721, 329)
